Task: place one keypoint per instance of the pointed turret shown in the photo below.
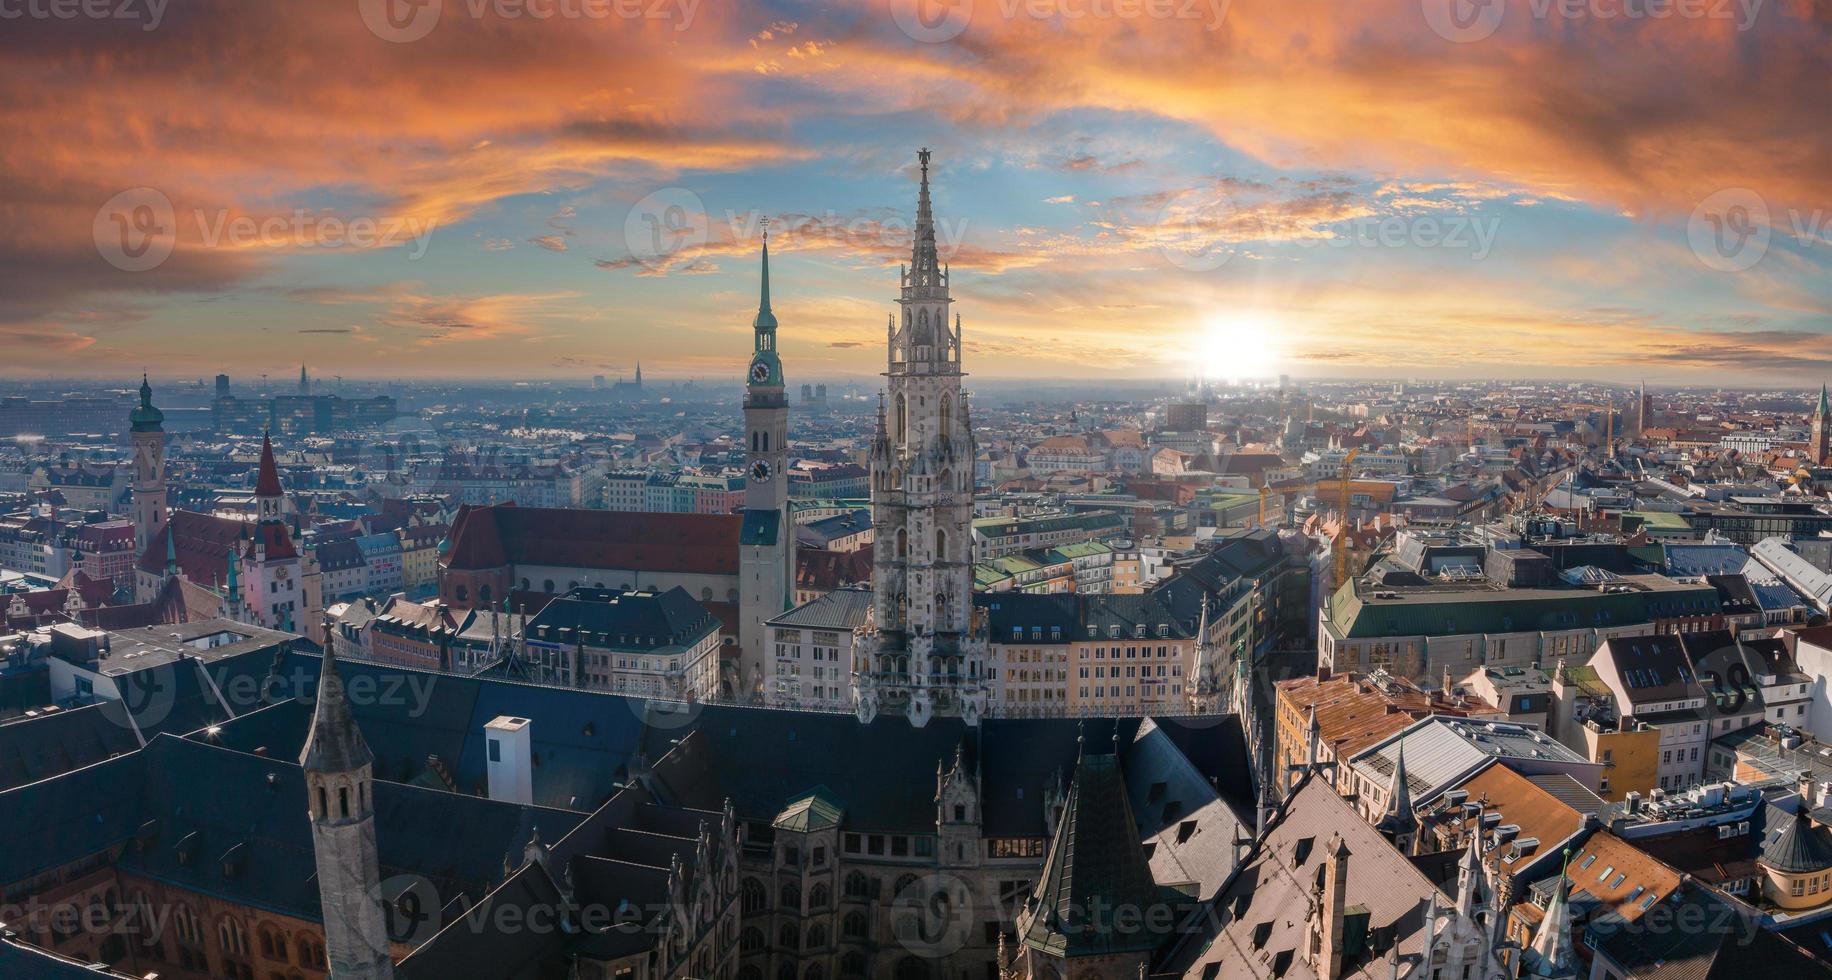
(1400, 823)
(267, 478)
(925, 263)
(1824, 408)
(1552, 956)
(334, 744)
(1471, 874)
(171, 555)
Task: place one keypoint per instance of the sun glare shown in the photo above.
(1238, 346)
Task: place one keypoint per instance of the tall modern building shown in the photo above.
(923, 648)
(767, 541)
(149, 469)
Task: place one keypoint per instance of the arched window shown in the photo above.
(856, 885)
(817, 936)
(234, 941)
(852, 965)
(854, 926)
(819, 897)
(751, 940)
(343, 802)
(788, 937)
(483, 594)
(791, 898)
(463, 594)
(752, 897)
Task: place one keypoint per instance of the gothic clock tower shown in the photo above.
(767, 544)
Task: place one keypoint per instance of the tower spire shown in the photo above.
(925, 266)
(1551, 956)
(766, 318)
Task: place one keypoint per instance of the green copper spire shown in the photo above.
(766, 367)
(171, 552)
(1825, 404)
(235, 588)
(766, 320)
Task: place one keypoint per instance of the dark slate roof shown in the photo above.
(19, 961)
(1653, 667)
(1798, 845)
(1095, 862)
(1700, 937)
(482, 944)
(841, 609)
(624, 620)
(230, 824)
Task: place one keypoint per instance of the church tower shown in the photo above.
(150, 512)
(337, 765)
(923, 647)
(767, 541)
(1821, 445)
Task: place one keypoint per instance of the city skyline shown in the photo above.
(1224, 190)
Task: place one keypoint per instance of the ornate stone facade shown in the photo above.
(923, 650)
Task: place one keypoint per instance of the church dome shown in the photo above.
(145, 417)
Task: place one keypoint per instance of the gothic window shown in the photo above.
(818, 897)
(791, 898)
(817, 936)
(751, 940)
(483, 595)
(324, 808)
(854, 926)
(788, 937)
(234, 940)
(857, 885)
(343, 802)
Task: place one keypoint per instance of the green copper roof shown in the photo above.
(145, 417)
(818, 810)
(1825, 403)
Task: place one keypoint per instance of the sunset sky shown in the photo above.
(1127, 188)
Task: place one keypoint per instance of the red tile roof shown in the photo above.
(504, 534)
(267, 483)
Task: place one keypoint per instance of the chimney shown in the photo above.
(1333, 947)
(509, 759)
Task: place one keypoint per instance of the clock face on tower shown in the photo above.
(760, 471)
(760, 371)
